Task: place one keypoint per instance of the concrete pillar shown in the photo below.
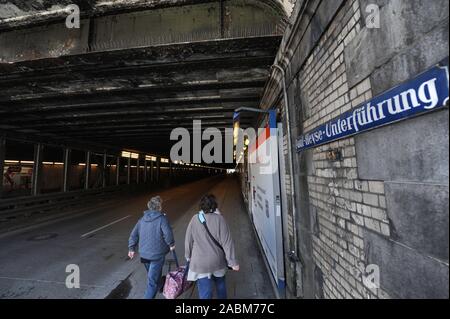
(145, 170)
(129, 170)
(158, 168)
(105, 163)
(2, 161)
(37, 169)
(118, 170)
(66, 170)
(87, 170)
(138, 170)
(152, 177)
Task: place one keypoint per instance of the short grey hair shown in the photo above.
(155, 204)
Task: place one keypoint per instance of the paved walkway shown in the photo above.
(252, 281)
(33, 261)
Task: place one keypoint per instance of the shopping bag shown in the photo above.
(176, 281)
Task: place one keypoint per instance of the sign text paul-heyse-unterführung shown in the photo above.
(426, 92)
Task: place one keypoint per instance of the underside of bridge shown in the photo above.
(343, 194)
(134, 70)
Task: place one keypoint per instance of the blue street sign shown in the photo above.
(427, 92)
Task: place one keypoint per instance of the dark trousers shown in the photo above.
(154, 271)
(205, 287)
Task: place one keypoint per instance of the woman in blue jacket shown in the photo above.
(154, 236)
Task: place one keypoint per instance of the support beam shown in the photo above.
(105, 163)
(129, 171)
(158, 168)
(66, 170)
(37, 169)
(2, 161)
(145, 171)
(118, 170)
(91, 34)
(87, 170)
(138, 170)
(152, 173)
(222, 19)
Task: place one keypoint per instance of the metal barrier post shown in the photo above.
(66, 169)
(87, 170)
(37, 169)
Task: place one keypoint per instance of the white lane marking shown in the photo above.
(103, 227)
(47, 281)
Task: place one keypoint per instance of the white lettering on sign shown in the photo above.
(426, 92)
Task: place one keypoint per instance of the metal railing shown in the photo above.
(26, 206)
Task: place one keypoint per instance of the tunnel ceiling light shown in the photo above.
(52, 163)
(126, 154)
(134, 155)
(18, 162)
(150, 158)
(11, 162)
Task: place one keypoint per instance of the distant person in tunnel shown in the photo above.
(8, 175)
(155, 238)
(209, 250)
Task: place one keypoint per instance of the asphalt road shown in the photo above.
(33, 263)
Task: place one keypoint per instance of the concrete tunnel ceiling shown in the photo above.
(128, 76)
(15, 13)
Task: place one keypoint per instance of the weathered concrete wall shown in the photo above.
(159, 26)
(414, 166)
(385, 202)
(43, 42)
(177, 24)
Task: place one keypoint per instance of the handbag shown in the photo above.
(176, 283)
(202, 219)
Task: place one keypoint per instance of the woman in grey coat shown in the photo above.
(154, 236)
(209, 255)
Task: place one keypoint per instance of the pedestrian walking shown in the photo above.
(154, 238)
(209, 250)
